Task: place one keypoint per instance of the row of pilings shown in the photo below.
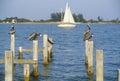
(89, 47)
(10, 60)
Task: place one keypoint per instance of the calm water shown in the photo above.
(68, 62)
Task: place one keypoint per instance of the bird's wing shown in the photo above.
(31, 36)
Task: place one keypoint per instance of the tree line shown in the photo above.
(58, 16)
(80, 18)
(9, 19)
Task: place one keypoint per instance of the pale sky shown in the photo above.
(41, 9)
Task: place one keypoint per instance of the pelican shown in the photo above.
(12, 30)
(34, 35)
(87, 35)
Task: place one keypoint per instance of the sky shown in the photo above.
(41, 9)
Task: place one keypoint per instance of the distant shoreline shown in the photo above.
(58, 23)
(32, 23)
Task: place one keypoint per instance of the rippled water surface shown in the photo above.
(68, 63)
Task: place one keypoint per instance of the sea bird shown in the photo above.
(34, 35)
(87, 34)
(12, 30)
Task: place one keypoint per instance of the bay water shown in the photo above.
(68, 62)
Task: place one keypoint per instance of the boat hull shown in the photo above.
(69, 25)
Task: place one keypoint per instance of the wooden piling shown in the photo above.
(99, 65)
(50, 48)
(86, 51)
(12, 46)
(89, 57)
(20, 56)
(118, 74)
(26, 72)
(35, 58)
(8, 66)
(45, 49)
(49, 54)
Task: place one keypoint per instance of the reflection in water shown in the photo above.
(90, 78)
(34, 78)
(46, 70)
(44, 76)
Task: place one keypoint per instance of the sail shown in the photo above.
(68, 18)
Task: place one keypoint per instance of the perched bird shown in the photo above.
(34, 35)
(87, 35)
(12, 30)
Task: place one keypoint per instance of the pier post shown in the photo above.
(49, 50)
(89, 57)
(8, 66)
(118, 74)
(20, 56)
(45, 49)
(86, 51)
(35, 58)
(26, 72)
(49, 53)
(12, 46)
(99, 65)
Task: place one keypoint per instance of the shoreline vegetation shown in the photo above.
(60, 22)
(56, 19)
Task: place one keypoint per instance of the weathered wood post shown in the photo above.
(8, 66)
(89, 56)
(12, 46)
(118, 74)
(50, 49)
(20, 56)
(26, 72)
(45, 49)
(49, 53)
(86, 51)
(99, 65)
(35, 58)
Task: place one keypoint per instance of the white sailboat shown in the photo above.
(13, 21)
(68, 20)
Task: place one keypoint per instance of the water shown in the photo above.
(68, 62)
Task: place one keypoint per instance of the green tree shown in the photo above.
(56, 16)
(81, 18)
(75, 17)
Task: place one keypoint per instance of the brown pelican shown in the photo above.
(87, 35)
(12, 30)
(34, 35)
